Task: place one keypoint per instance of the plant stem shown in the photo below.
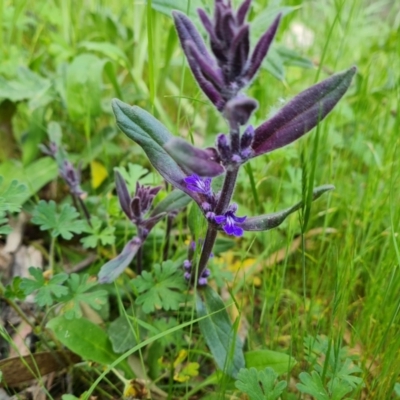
(222, 205)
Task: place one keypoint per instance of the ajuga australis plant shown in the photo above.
(223, 72)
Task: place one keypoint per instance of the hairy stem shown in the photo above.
(222, 205)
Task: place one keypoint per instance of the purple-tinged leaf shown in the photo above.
(270, 221)
(174, 201)
(115, 267)
(240, 52)
(207, 86)
(150, 222)
(135, 207)
(210, 71)
(247, 137)
(188, 32)
(261, 49)
(123, 194)
(204, 18)
(151, 135)
(242, 11)
(302, 113)
(239, 109)
(192, 159)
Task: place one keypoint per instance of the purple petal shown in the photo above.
(261, 49)
(229, 229)
(220, 219)
(192, 159)
(202, 281)
(242, 11)
(123, 194)
(302, 113)
(239, 220)
(237, 231)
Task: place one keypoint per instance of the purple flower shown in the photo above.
(199, 185)
(230, 221)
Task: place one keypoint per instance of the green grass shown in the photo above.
(343, 279)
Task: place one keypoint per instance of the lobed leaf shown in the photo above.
(270, 221)
(302, 113)
(260, 385)
(160, 289)
(63, 223)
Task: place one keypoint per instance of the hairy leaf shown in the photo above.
(193, 160)
(151, 135)
(270, 221)
(110, 271)
(302, 113)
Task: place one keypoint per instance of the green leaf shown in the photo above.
(46, 289)
(11, 196)
(84, 338)
(167, 6)
(121, 335)
(260, 385)
(217, 329)
(162, 288)
(80, 292)
(34, 175)
(270, 221)
(105, 236)
(62, 224)
(27, 85)
(5, 229)
(174, 201)
(84, 86)
(136, 173)
(107, 49)
(14, 290)
(281, 363)
(312, 384)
